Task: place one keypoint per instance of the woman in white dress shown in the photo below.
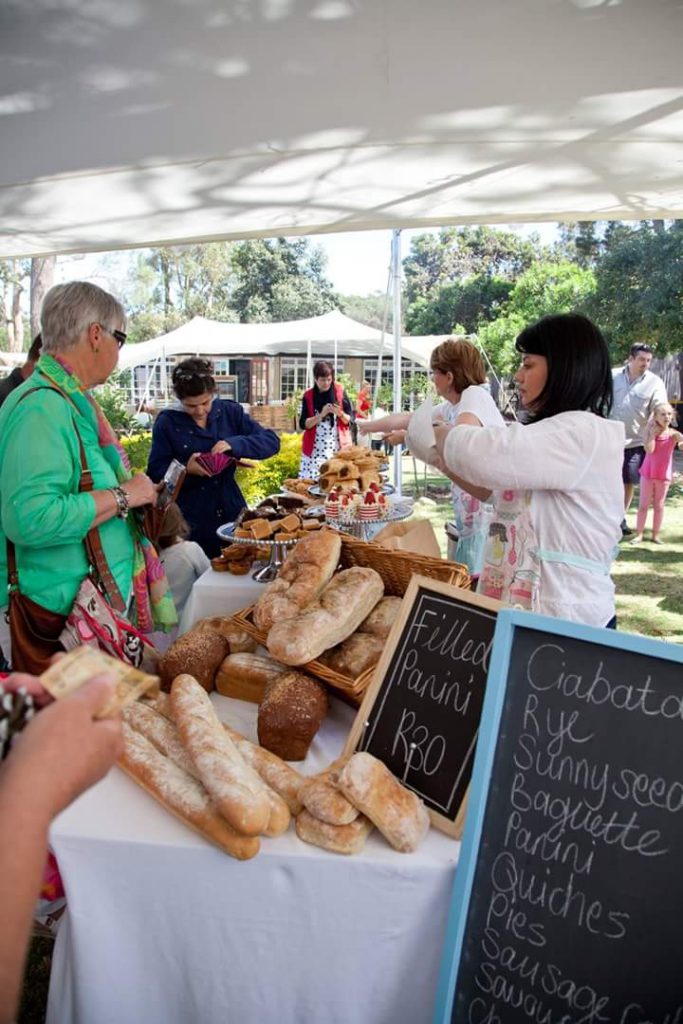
(325, 416)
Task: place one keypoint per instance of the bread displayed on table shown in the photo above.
(305, 572)
(181, 794)
(239, 640)
(382, 617)
(324, 800)
(280, 776)
(354, 467)
(290, 715)
(347, 599)
(235, 788)
(244, 675)
(397, 812)
(347, 839)
(356, 654)
(198, 652)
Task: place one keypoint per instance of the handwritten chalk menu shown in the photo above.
(420, 715)
(568, 901)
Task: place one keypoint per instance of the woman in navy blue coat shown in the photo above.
(202, 422)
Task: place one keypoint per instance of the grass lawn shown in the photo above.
(648, 577)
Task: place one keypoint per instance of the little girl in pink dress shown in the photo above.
(655, 473)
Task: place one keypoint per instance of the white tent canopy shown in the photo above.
(132, 122)
(324, 334)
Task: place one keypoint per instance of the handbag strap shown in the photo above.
(93, 542)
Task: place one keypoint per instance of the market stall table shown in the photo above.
(163, 928)
(219, 593)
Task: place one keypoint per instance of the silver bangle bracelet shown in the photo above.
(122, 502)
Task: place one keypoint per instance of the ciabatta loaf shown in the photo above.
(346, 600)
(235, 788)
(336, 838)
(307, 568)
(233, 633)
(354, 655)
(397, 812)
(381, 618)
(181, 794)
(324, 801)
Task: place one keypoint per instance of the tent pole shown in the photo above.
(396, 279)
(309, 368)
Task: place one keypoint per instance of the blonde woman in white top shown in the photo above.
(459, 375)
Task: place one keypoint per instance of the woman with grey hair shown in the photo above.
(51, 431)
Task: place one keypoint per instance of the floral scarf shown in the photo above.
(152, 607)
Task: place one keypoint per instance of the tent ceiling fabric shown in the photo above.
(209, 337)
(131, 122)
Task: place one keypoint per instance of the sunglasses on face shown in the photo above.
(119, 336)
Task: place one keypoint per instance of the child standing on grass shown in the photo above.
(655, 473)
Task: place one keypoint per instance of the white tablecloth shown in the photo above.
(219, 593)
(163, 928)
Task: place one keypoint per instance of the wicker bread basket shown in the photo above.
(396, 569)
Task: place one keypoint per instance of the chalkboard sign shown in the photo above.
(568, 898)
(420, 715)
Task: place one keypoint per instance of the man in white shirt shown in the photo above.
(636, 393)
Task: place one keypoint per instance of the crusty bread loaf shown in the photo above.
(354, 655)
(162, 733)
(336, 838)
(324, 801)
(179, 793)
(161, 703)
(223, 624)
(235, 788)
(306, 570)
(244, 676)
(382, 617)
(199, 653)
(272, 769)
(346, 600)
(291, 714)
(397, 812)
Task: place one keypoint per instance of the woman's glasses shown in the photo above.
(119, 336)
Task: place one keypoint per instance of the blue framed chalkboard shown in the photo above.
(568, 899)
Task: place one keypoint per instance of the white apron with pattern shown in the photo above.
(511, 571)
(512, 557)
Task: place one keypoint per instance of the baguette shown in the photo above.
(180, 794)
(335, 838)
(306, 570)
(324, 801)
(244, 676)
(342, 606)
(237, 791)
(273, 770)
(397, 812)
(164, 735)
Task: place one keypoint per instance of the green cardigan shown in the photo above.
(41, 509)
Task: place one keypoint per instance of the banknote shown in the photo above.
(82, 663)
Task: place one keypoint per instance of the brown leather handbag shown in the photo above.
(35, 630)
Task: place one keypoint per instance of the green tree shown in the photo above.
(479, 299)
(639, 287)
(368, 309)
(545, 288)
(278, 278)
(459, 253)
